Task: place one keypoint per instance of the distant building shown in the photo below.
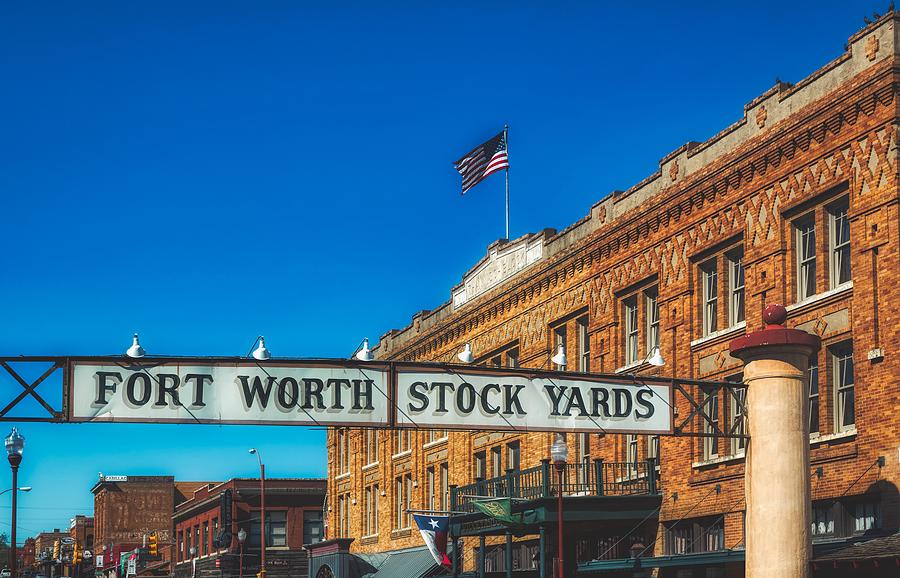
(127, 510)
(43, 551)
(207, 545)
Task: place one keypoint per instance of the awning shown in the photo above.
(410, 563)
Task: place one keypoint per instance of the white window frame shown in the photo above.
(651, 311)
(512, 357)
(709, 275)
(838, 248)
(710, 444)
(631, 454)
(584, 344)
(805, 228)
(736, 301)
(813, 395)
(630, 312)
(444, 472)
(737, 419)
(842, 387)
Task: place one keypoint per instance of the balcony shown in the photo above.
(596, 479)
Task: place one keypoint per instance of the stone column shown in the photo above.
(776, 474)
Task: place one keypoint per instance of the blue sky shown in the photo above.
(203, 172)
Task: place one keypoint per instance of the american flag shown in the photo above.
(482, 161)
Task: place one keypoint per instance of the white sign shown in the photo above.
(473, 399)
(111, 479)
(230, 392)
(132, 567)
(98, 561)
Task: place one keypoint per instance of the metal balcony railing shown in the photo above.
(597, 478)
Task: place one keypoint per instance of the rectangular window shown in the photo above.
(583, 459)
(371, 510)
(430, 488)
(402, 498)
(512, 358)
(806, 257)
(402, 441)
(480, 465)
(314, 524)
(710, 424)
(651, 303)
(631, 330)
(839, 244)
(496, 461)
(180, 545)
(513, 459)
(842, 377)
(343, 450)
(822, 520)
(735, 261)
(653, 448)
(197, 540)
(696, 536)
(276, 528)
(710, 278)
(371, 446)
(631, 453)
(559, 338)
(444, 503)
(584, 345)
(737, 421)
(496, 361)
(813, 389)
(215, 528)
(865, 517)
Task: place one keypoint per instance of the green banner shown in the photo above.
(501, 510)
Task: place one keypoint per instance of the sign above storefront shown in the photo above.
(360, 394)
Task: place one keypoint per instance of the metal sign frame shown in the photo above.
(696, 393)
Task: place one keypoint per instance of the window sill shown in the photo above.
(846, 287)
(371, 466)
(727, 332)
(720, 460)
(369, 539)
(434, 443)
(342, 476)
(631, 367)
(843, 435)
(401, 455)
(634, 478)
(401, 533)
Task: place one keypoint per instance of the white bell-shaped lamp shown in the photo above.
(466, 354)
(261, 353)
(364, 353)
(655, 358)
(135, 350)
(560, 357)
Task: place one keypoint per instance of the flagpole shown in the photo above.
(506, 138)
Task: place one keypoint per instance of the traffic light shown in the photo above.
(77, 554)
(56, 552)
(154, 545)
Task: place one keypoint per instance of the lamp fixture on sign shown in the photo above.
(135, 350)
(261, 353)
(364, 353)
(560, 357)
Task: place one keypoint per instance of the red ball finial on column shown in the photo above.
(774, 315)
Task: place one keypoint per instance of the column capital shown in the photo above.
(775, 334)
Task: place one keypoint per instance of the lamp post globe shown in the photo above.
(15, 445)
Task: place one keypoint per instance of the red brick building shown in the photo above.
(796, 203)
(127, 509)
(206, 544)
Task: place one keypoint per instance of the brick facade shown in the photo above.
(799, 152)
(299, 501)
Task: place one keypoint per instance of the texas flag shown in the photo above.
(434, 532)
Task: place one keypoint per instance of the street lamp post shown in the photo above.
(242, 535)
(15, 445)
(559, 453)
(262, 514)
